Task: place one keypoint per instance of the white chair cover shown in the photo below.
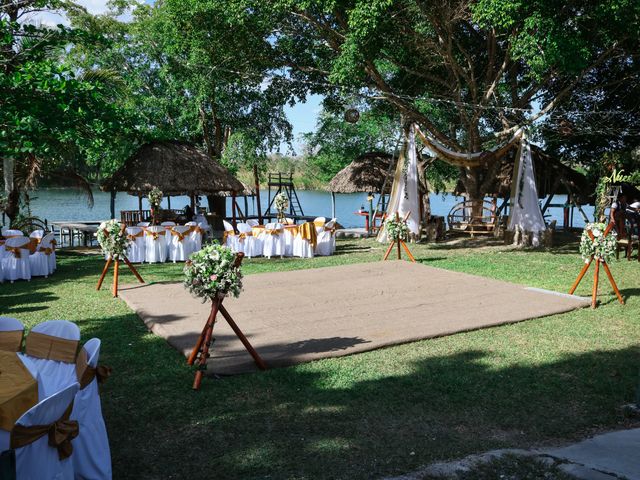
(143, 224)
(181, 245)
(155, 244)
(91, 454)
(319, 223)
(231, 239)
(252, 223)
(196, 236)
(136, 248)
(301, 247)
(289, 221)
(16, 266)
(40, 263)
(55, 374)
(37, 234)
(8, 233)
(248, 244)
(38, 460)
(273, 241)
(326, 239)
(167, 227)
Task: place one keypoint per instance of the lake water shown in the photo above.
(67, 205)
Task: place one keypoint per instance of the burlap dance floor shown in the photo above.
(298, 316)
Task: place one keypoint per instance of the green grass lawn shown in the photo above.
(364, 416)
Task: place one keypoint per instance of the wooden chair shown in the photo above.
(628, 237)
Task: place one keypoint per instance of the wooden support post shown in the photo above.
(386, 255)
(104, 272)
(205, 343)
(580, 275)
(594, 293)
(398, 244)
(333, 204)
(115, 277)
(408, 252)
(133, 269)
(256, 178)
(613, 282)
(243, 339)
(233, 210)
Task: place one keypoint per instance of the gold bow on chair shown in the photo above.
(154, 235)
(178, 234)
(226, 234)
(14, 250)
(46, 250)
(132, 237)
(243, 235)
(270, 231)
(60, 432)
(318, 223)
(196, 229)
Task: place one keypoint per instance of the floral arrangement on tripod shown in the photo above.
(155, 197)
(397, 229)
(112, 239)
(601, 247)
(281, 202)
(211, 273)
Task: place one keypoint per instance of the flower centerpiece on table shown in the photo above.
(112, 239)
(211, 273)
(397, 229)
(155, 199)
(281, 202)
(601, 247)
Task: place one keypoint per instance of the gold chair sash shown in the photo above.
(331, 230)
(15, 250)
(257, 230)
(196, 229)
(270, 231)
(41, 345)
(32, 246)
(226, 234)
(243, 235)
(178, 234)
(60, 432)
(318, 223)
(132, 237)
(154, 235)
(307, 231)
(11, 340)
(86, 373)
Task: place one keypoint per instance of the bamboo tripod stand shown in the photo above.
(596, 275)
(397, 243)
(200, 352)
(116, 267)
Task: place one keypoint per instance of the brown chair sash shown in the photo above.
(86, 373)
(60, 432)
(11, 340)
(40, 345)
(227, 233)
(133, 237)
(15, 250)
(178, 234)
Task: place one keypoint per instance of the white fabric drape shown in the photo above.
(526, 213)
(404, 193)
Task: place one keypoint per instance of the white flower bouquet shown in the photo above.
(397, 229)
(211, 273)
(281, 202)
(601, 247)
(155, 197)
(112, 239)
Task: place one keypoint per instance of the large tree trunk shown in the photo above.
(10, 190)
(471, 178)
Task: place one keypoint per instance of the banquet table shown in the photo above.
(18, 389)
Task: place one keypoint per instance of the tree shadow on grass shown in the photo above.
(384, 412)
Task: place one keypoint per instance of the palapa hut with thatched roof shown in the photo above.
(176, 168)
(366, 174)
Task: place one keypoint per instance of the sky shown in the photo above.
(303, 116)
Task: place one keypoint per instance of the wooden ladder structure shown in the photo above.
(283, 182)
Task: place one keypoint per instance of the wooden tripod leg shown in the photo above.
(115, 278)
(386, 255)
(198, 345)
(580, 275)
(104, 273)
(613, 282)
(133, 269)
(408, 251)
(243, 339)
(398, 243)
(204, 350)
(596, 277)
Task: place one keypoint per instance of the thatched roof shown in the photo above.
(365, 174)
(551, 177)
(176, 168)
